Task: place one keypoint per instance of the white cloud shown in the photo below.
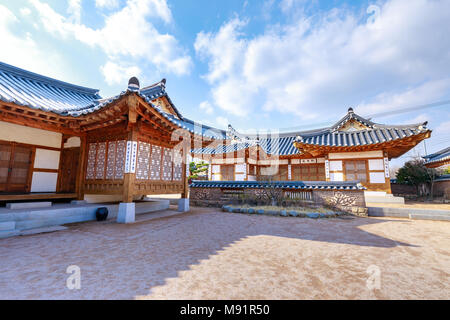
(422, 94)
(222, 122)
(22, 51)
(316, 65)
(443, 129)
(74, 10)
(25, 11)
(207, 107)
(116, 74)
(108, 4)
(126, 35)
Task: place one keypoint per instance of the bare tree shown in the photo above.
(270, 189)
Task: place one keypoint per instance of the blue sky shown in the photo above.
(255, 64)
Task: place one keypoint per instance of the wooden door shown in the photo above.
(227, 172)
(15, 166)
(5, 159)
(69, 168)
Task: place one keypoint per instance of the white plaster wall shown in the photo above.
(376, 164)
(335, 165)
(377, 177)
(336, 176)
(46, 159)
(23, 134)
(72, 142)
(44, 182)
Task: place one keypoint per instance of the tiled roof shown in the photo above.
(294, 185)
(441, 155)
(283, 144)
(361, 137)
(29, 89)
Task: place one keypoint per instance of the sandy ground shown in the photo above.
(207, 254)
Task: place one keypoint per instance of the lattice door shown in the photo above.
(15, 161)
(5, 159)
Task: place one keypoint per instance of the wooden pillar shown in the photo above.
(79, 186)
(129, 177)
(185, 192)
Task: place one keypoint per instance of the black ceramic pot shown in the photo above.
(101, 213)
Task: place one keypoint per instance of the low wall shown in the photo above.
(440, 189)
(352, 201)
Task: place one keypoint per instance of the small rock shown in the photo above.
(312, 215)
(293, 213)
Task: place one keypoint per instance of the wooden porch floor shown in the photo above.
(36, 196)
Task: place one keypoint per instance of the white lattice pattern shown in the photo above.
(101, 158)
(167, 165)
(143, 161)
(90, 169)
(111, 159)
(120, 159)
(155, 163)
(177, 165)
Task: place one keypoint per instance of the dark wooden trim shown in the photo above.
(31, 145)
(46, 170)
(36, 196)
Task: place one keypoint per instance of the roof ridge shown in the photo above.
(51, 81)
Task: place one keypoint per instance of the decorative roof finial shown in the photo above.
(133, 84)
(350, 110)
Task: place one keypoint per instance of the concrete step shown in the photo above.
(410, 213)
(28, 205)
(386, 199)
(7, 225)
(42, 230)
(9, 233)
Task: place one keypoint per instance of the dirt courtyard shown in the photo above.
(208, 254)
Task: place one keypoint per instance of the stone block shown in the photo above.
(7, 225)
(78, 202)
(293, 213)
(127, 212)
(28, 205)
(183, 205)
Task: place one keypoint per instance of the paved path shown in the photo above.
(207, 254)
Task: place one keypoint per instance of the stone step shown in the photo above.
(28, 205)
(410, 213)
(9, 233)
(385, 199)
(42, 230)
(7, 225)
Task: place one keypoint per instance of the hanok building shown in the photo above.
(59, 140)
(353, 149)
(440, 160)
